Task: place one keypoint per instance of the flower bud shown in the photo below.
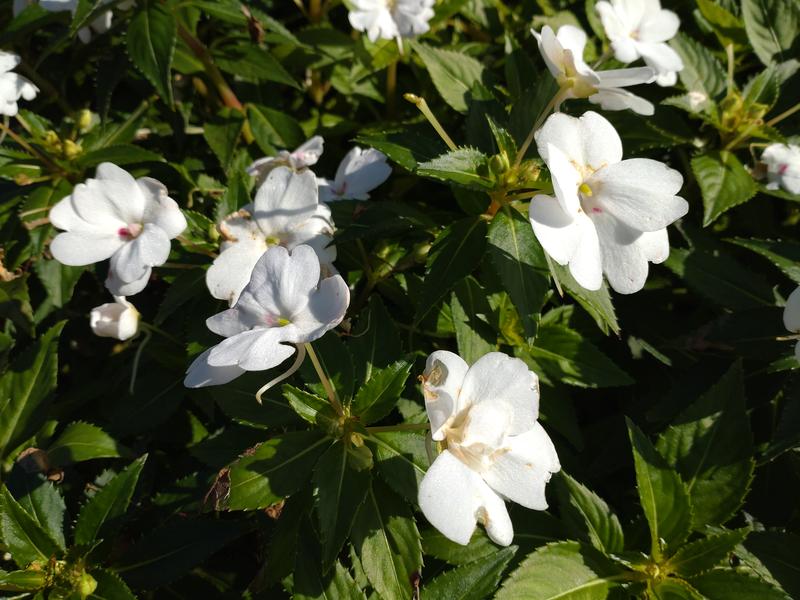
(72, 150)
(84, 119)
(498, 164)
(118, 319)
(86, 585)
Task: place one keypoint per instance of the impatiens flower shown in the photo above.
(118, 319)
(360, 172)
(303, 157)
(390, 19)
(284, 303)
(640, 29)
(791, 317)
(13, 86)
(563, 54)
(131, 221)
(609, 215)
(496, 449)
(286, 212)
(783, 167)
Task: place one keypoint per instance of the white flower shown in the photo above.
(306, 155)
(118, 319)
(783, 167)
(286, 212)
(131, 221)
(13, 86)
(640, 29)
(100, 24)
(284, 303)
(360, 172)
(390, 19)
(609, 215)
(496, 449)
(791, 317)
(563, 54)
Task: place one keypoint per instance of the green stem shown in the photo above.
(391, 90)
(40, 155)
(554, 101)
(785, 114)
(426, 111)
(326, 383)
(150, 328)
(147, 337)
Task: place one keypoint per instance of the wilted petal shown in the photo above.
(441, 386)
(454, 498)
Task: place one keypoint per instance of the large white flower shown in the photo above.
(304, 156)
(360, 172)
(286, 212)
(496, 449)
(284, 303)
(13, 86)
(131, 221)
(791, 317)
(118, 319)
(563, 54)
(783, 167)
(390, 19)
(609, 215)
(640, 29)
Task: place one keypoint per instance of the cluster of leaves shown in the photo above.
(117, 481)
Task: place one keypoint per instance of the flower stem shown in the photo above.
(326, 383)
(731, 65)
(554, 101)
(40, 155)
(785, 114)
(147, 337)
(391, 90)
(301, 354)
(150, 328)
(426, 111)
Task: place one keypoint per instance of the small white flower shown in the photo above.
(791, 317)
(13, 86)
(284, 303)
(609, 215)
(390, 19)
(640, 29)
(118, 319)
(360, 172)
(286, 212)
(303, 157)
(563, 54)
(496, 449)
(697, 99)
(131, 221)
(783, 167)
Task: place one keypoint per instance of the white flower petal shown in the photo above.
(791, 314)
(116, 286)
(284, 200)
(619, 78)
(659, 26)
(524, 467)
(557, 232)
(230, 322)
(573, 39)
(661, 57)
(308, 153)
(486, 424)
(441, 384)
(566, 179)
(230, 271)
(589, 140)
(453, 498)
(551, 50)
(151, 248)
(624, 260)
(119, 320)
(359, 173)
(617, 99)
(118, 189)
(325, 309)
(161, 210)
(201, 374)
(78, 249)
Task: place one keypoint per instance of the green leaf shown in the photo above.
(454, 74)
(169, 552)
(341, 489)
(730, 584)
(701, 72)
(470, 311)
(22, 535)
(375, 341)
(110, 587)
(41, 500)
(22, 581)
(705, 554)
(778, 554)
(597, 303)
(772, 28)
(58, 279)
(305, 404)
(25, 390)
(400, 460)
(456, 252)
(588, 516)
(520, 264)
(183, 289)
(567, 356)
(435, 544)
(120, 154)
(762, 89)
(152, 33)
(563, 571)
(464, 166)
(673, 589)
(408, 146)
(273, 128)
(274, 470)
(472, 581)
(102, 515)
(664, 497)
(222, 133)
(15, 305)
(82, 441)
(311, 582)
(378, 396)
(337, 364)
(784, 254)
(727, 26)
(253, 62)
(723, 181)
(711, 446)
(387, 542)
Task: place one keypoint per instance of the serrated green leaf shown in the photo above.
(664, 497)
(311, 582)
(22, 535)
(711, 446)
(110, 587)
(784, 254)
(454, 74)
(253, 62)
(400, 460)
(387, 542)
(724, 183)
(472, 581)
(705, 554)
(407, 146)
(337, 364)
(275, 469)
(733, 584)
(22, 581)
(597, 303)
(15, 305)
(702, 72)
(470, 310)
(305, 404)
(102, 514)
(120, 154)
(588, 516)
(222, 133)
(779, 556)
(273, 128)
(152, 34)
(772, 28)
(25, 390)
(464, 166)
(82, 441)
(377, 397)
(41, 500)
(58, 279)
(673, 589)
(563, 571)
(375, 341)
